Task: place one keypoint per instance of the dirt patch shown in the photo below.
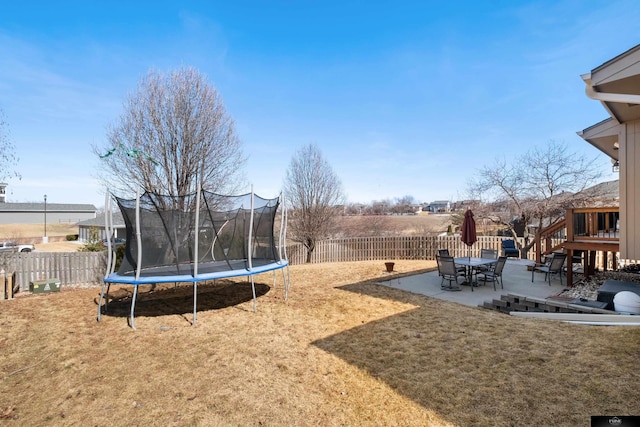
(341, 351)
(32, 233)
(58, 246)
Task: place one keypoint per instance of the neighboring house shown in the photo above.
(84, 227)
(40, 213)
(439, 206)
(616, 84)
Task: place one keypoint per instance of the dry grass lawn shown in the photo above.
(342, 351)
(32, 233)
(21, 231)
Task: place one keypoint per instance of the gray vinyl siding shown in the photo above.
(34, 213)
(630, 192)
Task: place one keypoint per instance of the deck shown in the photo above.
(582, 234)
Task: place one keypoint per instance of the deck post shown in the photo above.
(569, 268)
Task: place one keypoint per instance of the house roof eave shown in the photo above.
(616, 84)
(604, 136)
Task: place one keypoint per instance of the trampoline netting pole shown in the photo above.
(138, 259)
(282, 244)
(108, 225)
(195, 252)
(250, 255)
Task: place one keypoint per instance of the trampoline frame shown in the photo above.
(250, 271)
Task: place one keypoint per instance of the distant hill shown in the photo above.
(603, 194)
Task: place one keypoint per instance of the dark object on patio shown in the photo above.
(552, 267)
(468, 234)
(587, 303)
(631, 268)
(509, 249)
(495, 274)
(610, 288)
(448, 271)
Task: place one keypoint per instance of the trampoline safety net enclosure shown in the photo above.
(195, 237)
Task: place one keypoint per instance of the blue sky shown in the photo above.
(403, 98)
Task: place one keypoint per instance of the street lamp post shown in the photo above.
(44, 239)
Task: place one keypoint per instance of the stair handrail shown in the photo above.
(546, 234)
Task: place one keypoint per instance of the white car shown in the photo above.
(14, 247)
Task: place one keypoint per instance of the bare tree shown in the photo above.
(537, 187)
(174, 130)
(314, 193)
(8, 158)
(379, 207)
(404, 205)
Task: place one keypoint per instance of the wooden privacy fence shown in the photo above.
(88, 268)
(392, 248)
(71, 268)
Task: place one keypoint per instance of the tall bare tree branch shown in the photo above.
(174, 129)
(8, 158)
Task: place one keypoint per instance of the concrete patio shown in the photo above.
(516, 278)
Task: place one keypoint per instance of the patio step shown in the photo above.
(514, 302)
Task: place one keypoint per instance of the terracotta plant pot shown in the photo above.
(389, 266)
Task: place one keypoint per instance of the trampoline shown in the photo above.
(195, 238)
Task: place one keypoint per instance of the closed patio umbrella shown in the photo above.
(469, 230)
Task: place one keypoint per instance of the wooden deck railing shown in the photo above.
(593, 224)
(590, 231)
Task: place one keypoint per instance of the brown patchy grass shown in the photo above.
(32, 233)
(58, 246)
(341, 351)
(28, 231)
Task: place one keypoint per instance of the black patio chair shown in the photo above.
(554, 266)
(487, 253)
(445, 252)
(448, 271)
(493, 275)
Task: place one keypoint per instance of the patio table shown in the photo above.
(470, 263)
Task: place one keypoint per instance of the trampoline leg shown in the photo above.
(100, 300)
(253, 289)
(195, 297)
(287, 281)
(133, 306)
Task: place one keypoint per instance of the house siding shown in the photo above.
(34, 213)
(38, 217)
(630, 193)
